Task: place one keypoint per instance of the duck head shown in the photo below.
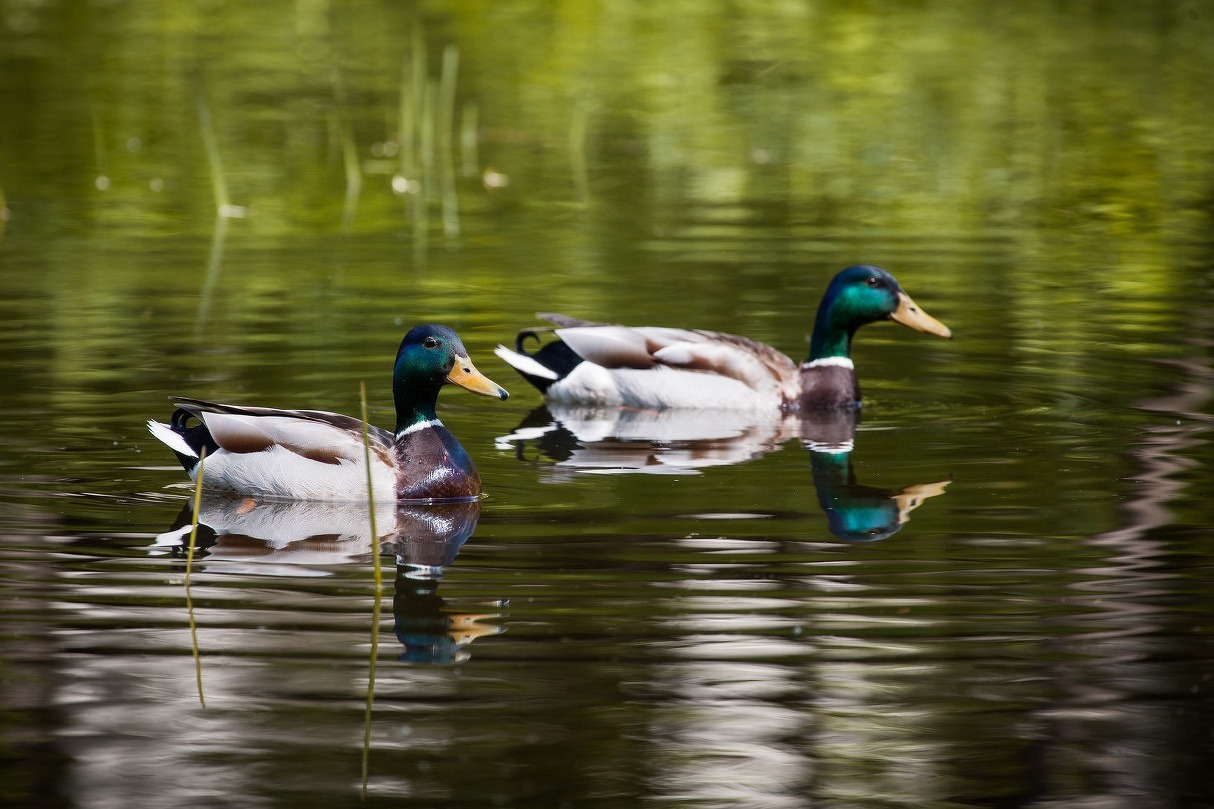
(859, 295)
(430, 357)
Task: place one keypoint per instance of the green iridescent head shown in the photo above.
(859, 295)
(429, 357)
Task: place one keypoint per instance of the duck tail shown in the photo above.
(187, 442)
(544, 367)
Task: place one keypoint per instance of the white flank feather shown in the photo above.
(589, 384)
(279, 473)
(657, 388)
(675, 388)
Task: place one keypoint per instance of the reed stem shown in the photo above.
(379, 591)
(379, 575)
(189, 567)
(349, 153)
(210, 145)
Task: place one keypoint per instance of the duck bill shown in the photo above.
(465, 375)
(912, 497)
(909, 314)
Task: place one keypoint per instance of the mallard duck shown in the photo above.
(649, 367)
(314, 455)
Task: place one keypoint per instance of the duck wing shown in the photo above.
(731, 355)
(314, 434)
(755, 364)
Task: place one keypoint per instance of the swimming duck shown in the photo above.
(656, 368)
(314, 455)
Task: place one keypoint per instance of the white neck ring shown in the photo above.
(838, 362)
(421, 425)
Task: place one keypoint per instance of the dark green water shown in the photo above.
(667, 612)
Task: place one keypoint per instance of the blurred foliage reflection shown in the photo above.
(953, 117)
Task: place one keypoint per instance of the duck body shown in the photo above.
(658, 368)
(278, 454)
(600, 364)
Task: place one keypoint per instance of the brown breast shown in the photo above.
(431, 464)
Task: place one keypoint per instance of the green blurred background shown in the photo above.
(251, 202)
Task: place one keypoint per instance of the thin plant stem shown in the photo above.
(429, 128)
(214, 266)
(577, 153)
(413, 74)
(445, 121)
(366, 763)
(468, 139)
(102, 180)
(189, 558)
(210, 145)
(189, 568)
(379, 574)
(379, 592)
(349, 154)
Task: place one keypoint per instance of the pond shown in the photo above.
(995, 589)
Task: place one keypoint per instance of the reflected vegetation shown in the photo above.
(305, 538)
(1119, 644)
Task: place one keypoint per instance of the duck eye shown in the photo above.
(873, 281)
(430, 342)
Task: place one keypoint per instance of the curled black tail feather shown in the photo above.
(556, 356)
(197, 437)
(522, 336)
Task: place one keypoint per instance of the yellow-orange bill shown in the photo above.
(465, 375)
(909, 314)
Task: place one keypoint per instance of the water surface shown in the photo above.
(1000, 596)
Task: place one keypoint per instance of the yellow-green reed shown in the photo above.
(379, 576)
(379, 590)
(349, 152)
(189, 568)
(219, 186)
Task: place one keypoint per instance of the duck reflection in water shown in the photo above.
(301, 539)
(574, 440)
(858, 513)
